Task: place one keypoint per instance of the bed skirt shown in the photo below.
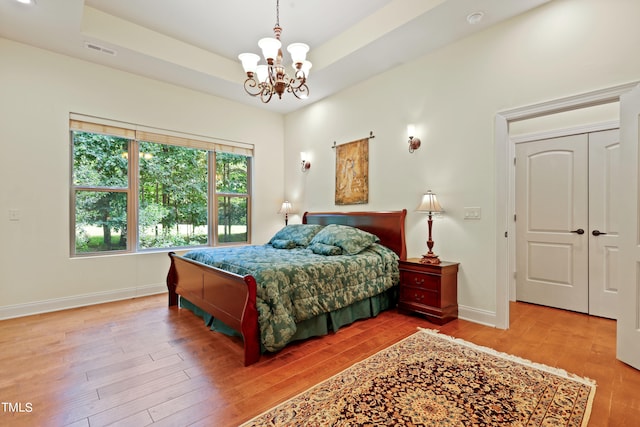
(316, 326)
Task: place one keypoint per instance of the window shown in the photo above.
(232, 197)
(138, 189)
(101, 179)
(172, 196)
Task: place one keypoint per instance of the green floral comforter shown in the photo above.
(297, 284)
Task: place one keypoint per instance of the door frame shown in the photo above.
(505, 181)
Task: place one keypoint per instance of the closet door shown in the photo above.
(552, 240)
(568, 193)
(605, 189)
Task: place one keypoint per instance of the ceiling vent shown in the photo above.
(98, 48)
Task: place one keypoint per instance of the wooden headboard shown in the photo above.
(387, 225)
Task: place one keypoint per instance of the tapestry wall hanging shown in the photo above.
(352, 172)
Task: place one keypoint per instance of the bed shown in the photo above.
(236, 297)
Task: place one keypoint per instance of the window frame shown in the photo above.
(215, 205)
(135, 134)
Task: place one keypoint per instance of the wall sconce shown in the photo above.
(305, 163)
(414, 143)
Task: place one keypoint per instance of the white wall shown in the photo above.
(563, 48)
(38, 89)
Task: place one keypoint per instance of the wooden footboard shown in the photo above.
(229, 297)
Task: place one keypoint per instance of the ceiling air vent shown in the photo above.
(98, 48)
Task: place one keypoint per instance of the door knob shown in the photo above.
(578, 231)
(597, 232)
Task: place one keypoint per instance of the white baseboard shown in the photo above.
(57, 304)
(475, 315)
(470, 314)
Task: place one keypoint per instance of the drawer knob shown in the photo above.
(418, 281)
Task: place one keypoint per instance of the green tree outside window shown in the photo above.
(163, 188)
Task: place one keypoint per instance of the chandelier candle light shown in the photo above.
(272, 77)
(431, 206)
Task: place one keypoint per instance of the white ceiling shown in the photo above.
(195, 43)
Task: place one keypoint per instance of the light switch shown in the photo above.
(14, 215)
(472, 213)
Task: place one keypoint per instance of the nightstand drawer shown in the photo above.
(418, 295)
(429, 289)
(421, 280)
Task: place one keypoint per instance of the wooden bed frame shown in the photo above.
(231, 298)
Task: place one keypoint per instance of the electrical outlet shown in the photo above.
(472, 213)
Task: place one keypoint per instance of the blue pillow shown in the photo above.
(300, 234)
(283, 244)
(322, 249)
(350, 239)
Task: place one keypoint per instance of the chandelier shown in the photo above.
(265, 80)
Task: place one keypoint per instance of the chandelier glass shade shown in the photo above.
(265, 80)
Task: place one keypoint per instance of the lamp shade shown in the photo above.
(286, 207)
(298, 52)
(270, 47)
(429, 203)
(263, 73)
(249, 62)
(306, 67)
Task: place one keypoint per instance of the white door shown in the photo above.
(552, 258)
(605, 189)
(628, 336)
(567, 198)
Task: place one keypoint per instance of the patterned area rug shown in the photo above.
(430, 379)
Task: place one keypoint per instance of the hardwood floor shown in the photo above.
(137, 362)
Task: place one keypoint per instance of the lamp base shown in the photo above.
(430, 258)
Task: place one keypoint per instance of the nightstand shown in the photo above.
(429, 289)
